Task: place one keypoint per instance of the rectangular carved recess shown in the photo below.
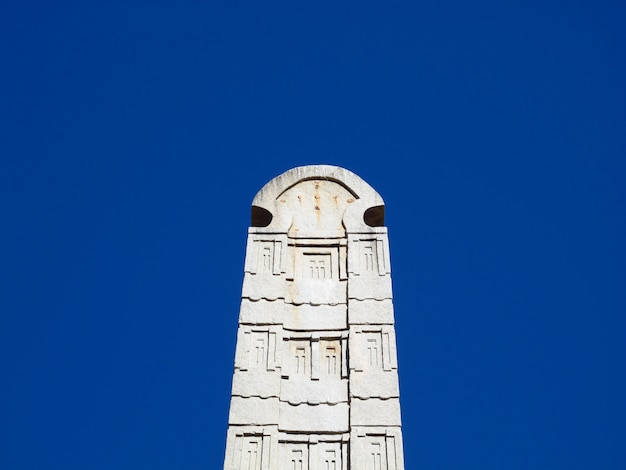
(368, 255)
(376, 448)
(257, 349)
(315, 356)
(373, 348)
(313, 452)
(317, 273)
(250, 449)
(265, 255)
(315, 261)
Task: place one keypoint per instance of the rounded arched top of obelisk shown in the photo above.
(318, 201)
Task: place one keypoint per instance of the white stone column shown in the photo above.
(316, 380)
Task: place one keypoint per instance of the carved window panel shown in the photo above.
(320, 263)
(377, 454)
(296, 460)
(300, 361)
(330, 360)
(257, 351)
(373, 350)
(265, 257)
(300, 354)
(369, 257)
(317, 266)
(315, 358)
(251, 455)
(307, 452)
(294, 456)
(257, 354)
(330, 460)
(330, 456)
(377, 449)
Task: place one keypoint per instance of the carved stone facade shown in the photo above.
(316, 376)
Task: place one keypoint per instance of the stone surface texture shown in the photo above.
(315, 385)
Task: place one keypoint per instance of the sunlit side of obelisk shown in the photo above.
(315, 384)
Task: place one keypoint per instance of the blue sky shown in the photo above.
(134, 135)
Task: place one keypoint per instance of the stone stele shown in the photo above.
(315, 385)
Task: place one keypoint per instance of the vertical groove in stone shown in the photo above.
(315, 383)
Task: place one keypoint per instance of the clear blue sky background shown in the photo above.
(134, 135)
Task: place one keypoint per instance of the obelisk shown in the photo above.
(315, 385)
